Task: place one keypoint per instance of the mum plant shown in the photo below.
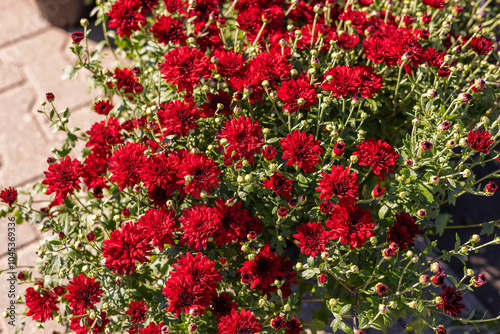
(255, 154)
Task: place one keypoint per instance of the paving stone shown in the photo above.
(24, 147)
(44, 72)
(20, 18)
(11, 76)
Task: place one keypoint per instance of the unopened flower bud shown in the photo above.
(382, 308)
(413, 304)
(475, 238)
(464, 97)
(466, 173)
(287, 308)
(434, 179)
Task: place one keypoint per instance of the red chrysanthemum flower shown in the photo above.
(312, 238)
(243, 322)
(152, 328)
(199, 172)
(441, 330)
(172, 6)
(9, 196)
(63, 178)
(94, 172)
(214, 103)
(179, 117)
(278, 322)
(125, 17)
(434, 3)
(83, 293)
(344, 81)
(347, 42)
(244, 136)
(403, 231)
(183, 294)
(184, 67)
(103, 107)
(451, 299)
(137, 311)
(481, 45)
(126, 163)
(199, 268)
(339, 183)
(434, 58)
(104, 135)
(380, 156)
(126, 80)
(280, 185)
(369, 82)
(125, 248)
(160, 170)
(250, 19)
(293, 90)
(269, 152)
(199, 223)
(230, 64)
(222, 305)
(96, 328)
(263, 270)
(351, 224)
(167, 29)
(41, 305)
(480, 140)
(158, 226)
(233, 223)
(293, 326)
(270, 67)
(301, 150)
(148, 5)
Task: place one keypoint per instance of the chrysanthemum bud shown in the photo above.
(490, 188)
(422, 213)
(451, 143)
(464, 97)
(192, 328)
(426, 145)
(413, 304)
(416, 121)
(78, 245)
(436, 268)
(287, 308)
(165, 329)
(382, 308)
(466, 173)
(424, 279)
(475, 238)
(434, 179)
(84, 22)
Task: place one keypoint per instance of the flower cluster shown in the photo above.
(250, 153)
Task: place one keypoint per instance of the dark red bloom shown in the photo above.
(380, 156)
(479, 279)
(271, 67)
(326, 207)
(433, 57)
(168, 29)
(198, 173)
(9, 196)
(230, 64)
(214, 104)
(137, 311)
(103, 136)
(441, 330)
(249, 20)
(481, 45)
(480, 140)
(434, 3)
(369, 82)
(338, 149)
(244, 136)
(322, 278)
(344, 81)
(40, 304)
(444, 72)
(184, 67)
(152, 328)
(280, 185)
(347, 42)
(183, 294)
(126, 163)
(126, 80)
(77, 37)
(339, 183)
(243, 322)
(63, 178)
(125, 17)
(172, 6)
(282, 212)
(269, 152)
(96, 328)
(438, 279)
(199, 223)
(83, 293)
(351, 224)
(378, 192)
(381, 288)
(147, 5)
(222, 305)
(263, 270)
(278, 322)
(312, 238)
(403, 231)
(293, 90)
(293, 326)
(490, 188)
(50, 97)
(125, 248)
(178, 117)
(158, 226)
(103, 107)
(198, 268)
(451, 301)
(301, 150)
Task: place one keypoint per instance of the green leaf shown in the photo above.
(273, 140)
(345, 309)
(427, 194)
(383, 211)
(310, 273)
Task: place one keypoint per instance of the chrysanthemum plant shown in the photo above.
(256, 154)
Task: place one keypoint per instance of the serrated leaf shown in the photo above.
(310, 273)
